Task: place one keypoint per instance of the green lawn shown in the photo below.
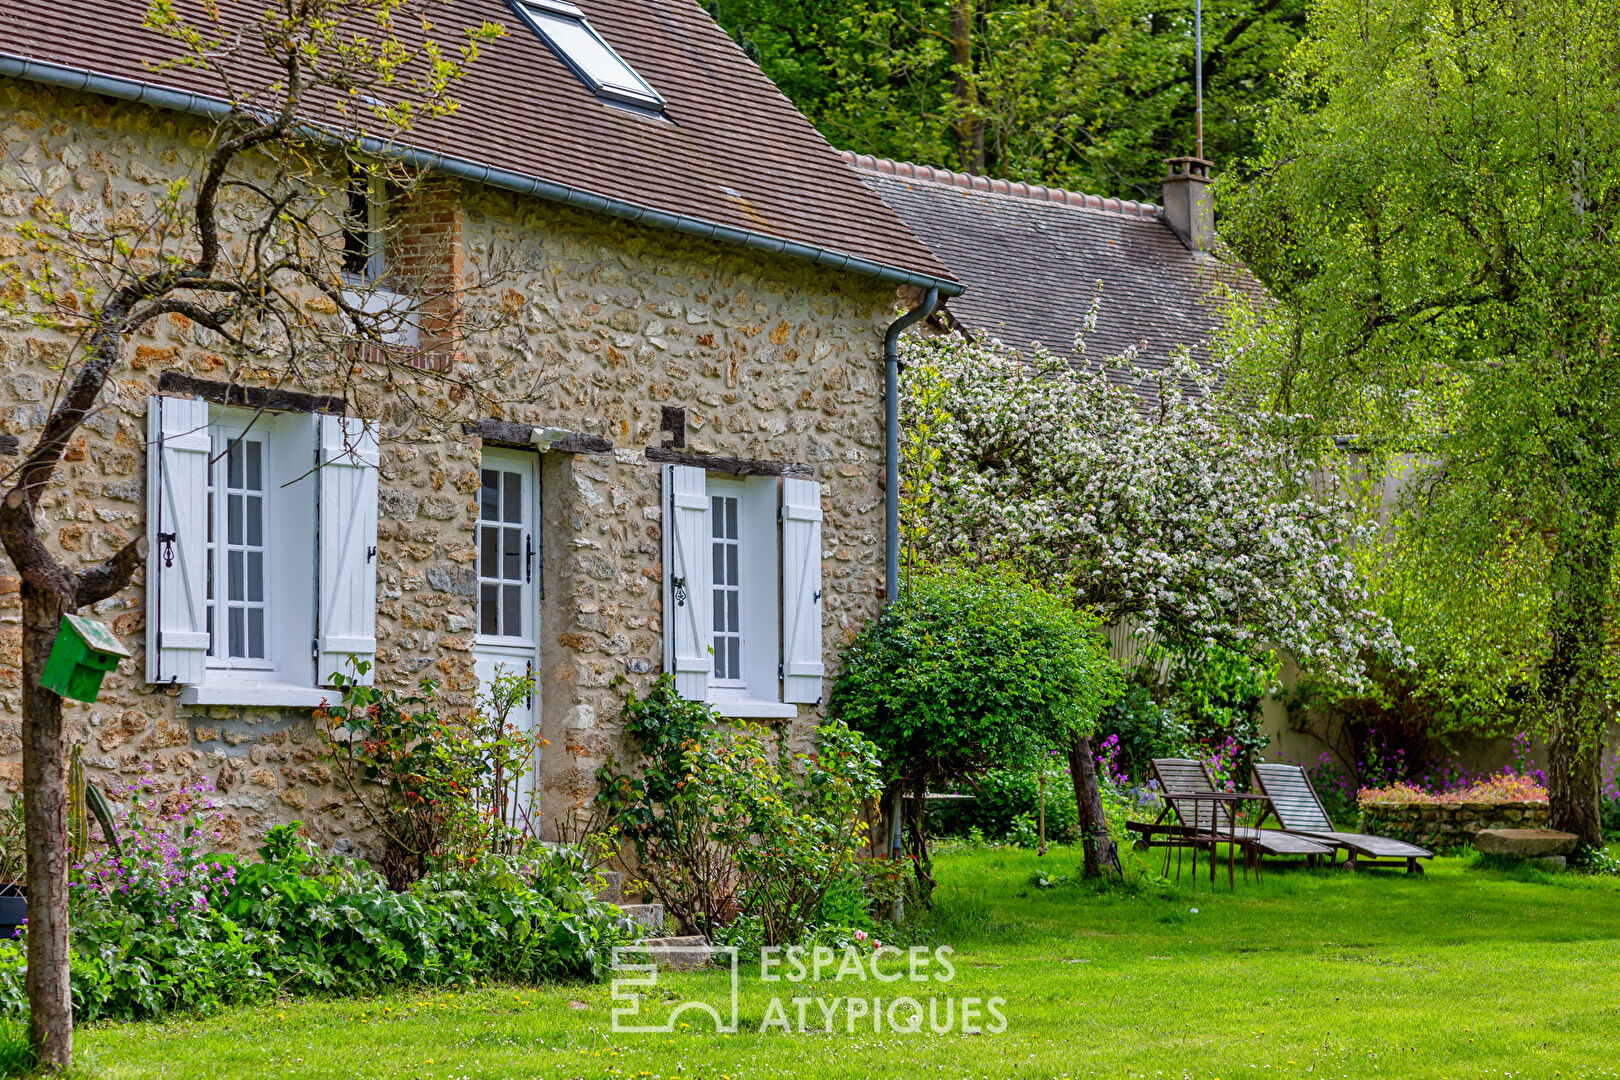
(1460, 973)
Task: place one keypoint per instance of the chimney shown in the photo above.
(1189, 209)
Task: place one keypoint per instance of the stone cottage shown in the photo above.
(696, 487)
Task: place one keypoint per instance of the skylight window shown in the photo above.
(575, 41)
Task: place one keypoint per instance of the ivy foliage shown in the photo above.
(972, 668)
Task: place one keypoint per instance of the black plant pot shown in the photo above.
(13, 909)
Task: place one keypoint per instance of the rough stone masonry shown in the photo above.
(770, 359)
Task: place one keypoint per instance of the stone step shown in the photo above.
(690, 953)
(1525, 843)
(612, 890)
(643, 917)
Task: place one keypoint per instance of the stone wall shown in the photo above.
(771, 359)
(1448, 826)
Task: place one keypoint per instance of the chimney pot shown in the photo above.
(1189, 208)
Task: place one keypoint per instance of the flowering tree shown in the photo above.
(1178, 514)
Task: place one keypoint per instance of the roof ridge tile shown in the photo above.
(998, 186)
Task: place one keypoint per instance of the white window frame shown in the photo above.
(226, 430)
(286, 676)
(510, 462)
(366, 290)
(720, 491)
(759, 695)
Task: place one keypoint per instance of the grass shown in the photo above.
(1464, 972)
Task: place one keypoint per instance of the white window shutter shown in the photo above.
(801, 591)
(177, 447)
(688, 618)
(346, 485)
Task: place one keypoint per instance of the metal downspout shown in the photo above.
(891, 441)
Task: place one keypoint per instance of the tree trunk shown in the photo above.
(1574, 768)
(969, 126)
(914, 810)
(45, 758)
(1101, 857)
(1573, 678)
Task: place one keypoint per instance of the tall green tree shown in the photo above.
(1436, 210)
(1091, 95)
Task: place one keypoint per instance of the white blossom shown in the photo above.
(1195, 519)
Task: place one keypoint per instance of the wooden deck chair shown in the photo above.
(1197, 821)
(1298, 809)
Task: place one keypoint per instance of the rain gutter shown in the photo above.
(213, 108)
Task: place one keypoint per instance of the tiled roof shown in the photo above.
(1033, 259)
(734, 151)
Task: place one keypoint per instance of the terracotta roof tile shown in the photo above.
(733, 151)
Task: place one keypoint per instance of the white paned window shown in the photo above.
(742, 560)
(247, 536)
(238, 512)
(565, 29)
(505, 553)
(725, 502)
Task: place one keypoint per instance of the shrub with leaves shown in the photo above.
(436, 785)
(969, 670)
(1003, 797)
(724, 827)
(171, 928)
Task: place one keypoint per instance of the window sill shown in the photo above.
(754, 708)
(285, 695)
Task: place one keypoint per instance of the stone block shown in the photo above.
(1525, 843)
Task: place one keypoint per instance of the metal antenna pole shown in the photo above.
(1198, 68)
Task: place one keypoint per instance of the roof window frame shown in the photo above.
(649, 102)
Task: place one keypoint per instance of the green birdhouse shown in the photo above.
(83, 654)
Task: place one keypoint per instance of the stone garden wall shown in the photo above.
(1444, 826)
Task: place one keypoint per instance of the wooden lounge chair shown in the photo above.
(1298, 809)
(1203, 823)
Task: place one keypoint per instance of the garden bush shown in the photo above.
(971, 670)
(1217, 692)
(164, 924)
(434, 785)
(724, 829)
(1142, 729)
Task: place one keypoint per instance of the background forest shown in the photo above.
(1090, 95)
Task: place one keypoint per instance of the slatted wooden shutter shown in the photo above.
(346, 486)
(801, 591)
(688, 620)
(177, 447)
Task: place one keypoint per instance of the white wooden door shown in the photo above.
(509, 590)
